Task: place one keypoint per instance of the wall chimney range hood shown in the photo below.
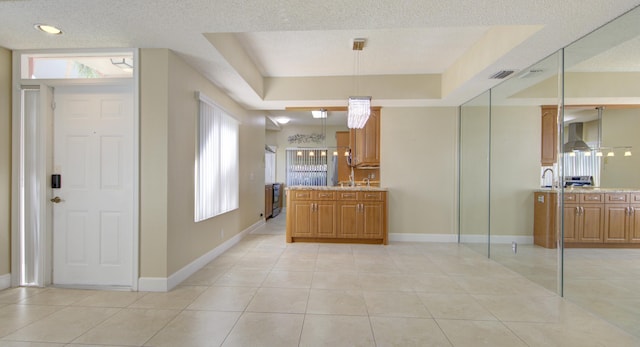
(575, 142)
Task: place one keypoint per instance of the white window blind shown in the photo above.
(216, 165)
(306, 167)
(583, 165)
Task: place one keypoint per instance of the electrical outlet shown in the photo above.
(514, 247)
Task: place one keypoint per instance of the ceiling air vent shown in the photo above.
(531, 73)
(501, 74)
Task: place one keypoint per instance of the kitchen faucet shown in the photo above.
(352, 178)
(544, 173)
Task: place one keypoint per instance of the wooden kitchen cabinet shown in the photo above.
(341, 215)
(584, 218)
(549, 136)
(361, 220)
(622, 218)
(314, 215)
(544, 219)
(268, 200)
(365, 142)
(634, 229)
(610, 219)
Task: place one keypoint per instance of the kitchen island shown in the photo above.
(337, 214)
(592, 217)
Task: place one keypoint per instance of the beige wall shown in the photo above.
(170, 239)
(515, 168)
(418, 164)
(474, 171)
(154, 147)
(620, 128)
(5, 161)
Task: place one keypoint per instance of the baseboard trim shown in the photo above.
(497, 239)
(162, 284)
(453, 238)
(5, 281)
(404, 237)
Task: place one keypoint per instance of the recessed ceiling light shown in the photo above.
(49, 29)
(283, 120)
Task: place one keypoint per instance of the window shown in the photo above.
(306, 167)
(77, 65)
(216, 166)
(584, 164)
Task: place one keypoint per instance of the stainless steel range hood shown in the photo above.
(575, 142)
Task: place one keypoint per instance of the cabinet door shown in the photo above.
(268, 201)
(303, 221)
(365, 142)
(325, 214)
(549, 138)
(616, 219)
(348, 223)
(592, 219)
(634, 224)
(373, 219)
(571, 223)
(371, 149)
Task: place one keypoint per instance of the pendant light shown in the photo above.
(359, 106)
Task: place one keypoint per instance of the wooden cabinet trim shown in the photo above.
(337, 216)
(591, 198)
(616, 198)
(324, 195)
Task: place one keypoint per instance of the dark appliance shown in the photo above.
(276, 200)
(578, 181)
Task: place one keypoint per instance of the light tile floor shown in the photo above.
(264, 292)
(605, 281)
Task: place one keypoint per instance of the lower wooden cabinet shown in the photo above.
(338, 216)
(622, 218)
(364, 220)
(590, 219)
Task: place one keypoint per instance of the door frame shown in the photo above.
(45, 230)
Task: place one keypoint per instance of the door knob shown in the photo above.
(56, 200)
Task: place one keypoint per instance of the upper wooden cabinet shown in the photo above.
(365, 142)
(549, 138)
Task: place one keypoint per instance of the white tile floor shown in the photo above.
(264, 292)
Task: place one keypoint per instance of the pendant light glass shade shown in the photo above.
(358, 111)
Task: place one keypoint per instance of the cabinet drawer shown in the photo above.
(591, 198)
(616, 198)
(324, 195)
(371, 196)
(635, 198)
(571, 197)
(348, 196)
(300, 194)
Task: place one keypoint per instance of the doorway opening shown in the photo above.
(75, 132)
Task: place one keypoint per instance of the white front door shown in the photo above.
(93, 224)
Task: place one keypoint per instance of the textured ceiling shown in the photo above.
(313, 38)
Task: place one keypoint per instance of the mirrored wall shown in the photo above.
(475, 140)
(602, 92)
(522, 167)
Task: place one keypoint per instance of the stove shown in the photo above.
(578, 181)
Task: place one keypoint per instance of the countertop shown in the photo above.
(588, 190)
(338, 188)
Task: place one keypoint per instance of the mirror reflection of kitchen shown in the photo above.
(599, 143)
